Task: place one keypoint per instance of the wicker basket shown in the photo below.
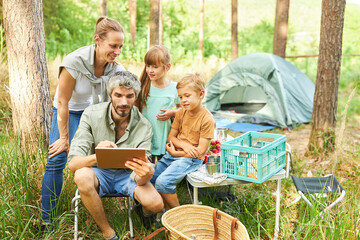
(189, 221)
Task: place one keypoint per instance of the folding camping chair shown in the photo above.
(76, 200)
(320, 186)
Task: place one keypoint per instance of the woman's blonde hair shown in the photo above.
(195, 80)
(105, 25)
(156, 55)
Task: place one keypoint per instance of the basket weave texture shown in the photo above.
(187, 220)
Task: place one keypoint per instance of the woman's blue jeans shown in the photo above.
(53, 177)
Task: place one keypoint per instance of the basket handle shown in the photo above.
(153, 234)
(216, 232)
(234, 225)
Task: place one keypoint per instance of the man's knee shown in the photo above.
(156, 204)
(84, 179)
(150, 199)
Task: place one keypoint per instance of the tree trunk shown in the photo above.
(132, 13)
(28, 75)
(234, 30)
(154, 23)
(103, 8)
(201, 32)
(322, 137)
(161, 30)
(281, 27)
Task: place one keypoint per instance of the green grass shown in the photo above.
(21, 175)
(20, 205)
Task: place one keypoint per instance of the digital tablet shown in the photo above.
(116, 157)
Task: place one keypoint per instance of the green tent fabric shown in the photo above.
(261, 88)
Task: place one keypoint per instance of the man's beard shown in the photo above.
(121, 113)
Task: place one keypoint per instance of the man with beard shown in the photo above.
(113, 124)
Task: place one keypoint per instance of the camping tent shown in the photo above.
(261, 88)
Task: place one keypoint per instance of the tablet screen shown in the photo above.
(116, 157)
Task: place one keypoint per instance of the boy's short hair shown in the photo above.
(196, 80)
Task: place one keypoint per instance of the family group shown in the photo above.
(99, 104)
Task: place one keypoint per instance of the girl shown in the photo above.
(158, 97)
(83, 76)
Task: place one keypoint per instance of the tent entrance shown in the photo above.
(246, 108)
(243, 99)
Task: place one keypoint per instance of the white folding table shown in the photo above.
(230, 181)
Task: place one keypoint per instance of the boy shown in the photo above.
(188, 140)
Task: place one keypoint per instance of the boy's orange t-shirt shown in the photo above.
(192, 128)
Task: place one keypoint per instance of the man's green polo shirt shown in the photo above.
(96, 125)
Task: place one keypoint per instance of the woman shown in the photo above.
(83, 75)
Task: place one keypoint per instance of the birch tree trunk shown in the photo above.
(322, 137)
(201, 32)
(234, 30)
(154, 23)
(281, 27)
(28, 74)
(132, 13)
(161, 30)
(103, 8)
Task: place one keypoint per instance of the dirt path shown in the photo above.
(349, 152)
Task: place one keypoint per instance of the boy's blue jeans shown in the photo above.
(53, 177)
(170, 170)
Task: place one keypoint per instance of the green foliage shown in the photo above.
(256, 39)
(68, 25)
(351, 38)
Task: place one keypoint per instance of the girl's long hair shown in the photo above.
(157, 55)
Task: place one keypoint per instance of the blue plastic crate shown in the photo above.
(254, 156)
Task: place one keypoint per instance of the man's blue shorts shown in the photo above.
(170, 170)
(115, 182)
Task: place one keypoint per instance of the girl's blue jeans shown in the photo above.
(53, 177)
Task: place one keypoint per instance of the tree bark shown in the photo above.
(281, 27)
(322, 137)
(132, 13)
(234, 30)
(201, 32)
(161, 30)
(28, 74)
(103, 8)
(154, 23)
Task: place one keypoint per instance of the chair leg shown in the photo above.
(277, 215)
(130, 219)
(289, 160)
(294, 201)
(305, 198)
(189, 191)
(196, 196)
(333, 204)
(75, 201)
